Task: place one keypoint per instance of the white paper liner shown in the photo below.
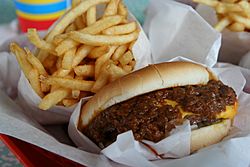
(29, 100)
(176, 29)
(234, 44)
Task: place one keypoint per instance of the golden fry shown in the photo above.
(111, 8)
(121, 29)
(72, 15)
(223, 23)
(69, 102)
(81, 53)
(38, 42)
(21, 58)
(68, 59)
(85, 70)
(122, 10)
(237, 27)
(126, 58)
(98, 52)
(53, 98)
(73, 84)
(34, 82)
(91, 16)
(212, 3)
(35, 62)
(100, 40)
(65, 45)
(119, 52)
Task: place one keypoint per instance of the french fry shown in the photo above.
(85, 70)
(98, 52)
(76, 93)
(21, 58)
(65, 45)
(68, 59)
(223, 8)
(121, 29)
(34, 82)
(49, 62)
(59, 62)
(240, 19)
(71, 27)
(131, 45)
(212, 3)
(237, 27)
(115, 72)
(35, 62)
(69, 102)
(42, 55)
(73, 84)
(119, 52)
(74, 3)
(91, 16)
(223, 23)
(111, 8)
(81, 53)
(61, 73)
(79, 23)
(246, 7)
(101, 80)
(100, 40)
(126, 58)
(122, 10)
(72, 15)
(53, 98)
(38, 42)
(102, 60)
(127, 68)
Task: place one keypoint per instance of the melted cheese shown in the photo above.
(229, 113)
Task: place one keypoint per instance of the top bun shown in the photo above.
(148, 79)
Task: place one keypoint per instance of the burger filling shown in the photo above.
(153, 115)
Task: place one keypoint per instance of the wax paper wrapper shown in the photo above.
(176, 29)
(29, 100)
(234, 44)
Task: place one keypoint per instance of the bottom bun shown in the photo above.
(209, 135)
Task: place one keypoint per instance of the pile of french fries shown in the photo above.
(232, 14)
(81, 54)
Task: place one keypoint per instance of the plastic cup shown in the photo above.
(39, 14)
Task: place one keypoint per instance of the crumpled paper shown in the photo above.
(234, 44)
(176, 29)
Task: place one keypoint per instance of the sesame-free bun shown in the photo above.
(151, 78)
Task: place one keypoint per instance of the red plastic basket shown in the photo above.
(33, 156)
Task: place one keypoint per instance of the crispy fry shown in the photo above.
(68, 59)
(34, 82)
(101, 60)
(115, 72)
(76, 93)
(223, 23)
(100, 40)
(38, 42)
(69, 102)
(53, 98)
(42, 55)
(121, 29)
(111, 8)
(122, 10)
(91, 16)
(126, 58)
(61, 73)
(212, 3)
(223, 8)
(101, 80)
(85, 70)
(73, 84)
(35, 62)
(237, 27)
(21, 58)
(98, 52)
(246, 7)
(127, 68)
(72, 15)
(65, 45)
(81, 53)
(71, 27)
(131, 45)
(240, 19)
(119, 52)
